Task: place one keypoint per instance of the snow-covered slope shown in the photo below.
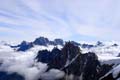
(113, 74)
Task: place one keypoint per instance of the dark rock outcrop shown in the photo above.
(115, 45)
(118, 55)
(44, 56)
(90, 66)
(105, 68)
(13, 76)
(109, 75)
(72, 61)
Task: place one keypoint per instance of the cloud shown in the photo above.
(24, 64)
(53, 74)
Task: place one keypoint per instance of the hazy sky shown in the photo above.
(88, 20)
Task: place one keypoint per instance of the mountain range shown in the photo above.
(43, 59)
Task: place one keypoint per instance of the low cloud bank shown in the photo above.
(24, 64)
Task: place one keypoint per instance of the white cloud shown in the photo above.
(53, 74)
(24, 64)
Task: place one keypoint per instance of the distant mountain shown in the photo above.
(45, 41)
(41, 41)
(99, 48)
(99, 43)
(25, 46)
(87, 46)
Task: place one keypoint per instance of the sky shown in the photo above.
(79, 20)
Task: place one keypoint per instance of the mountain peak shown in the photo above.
(41, 41)
(99, 43)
